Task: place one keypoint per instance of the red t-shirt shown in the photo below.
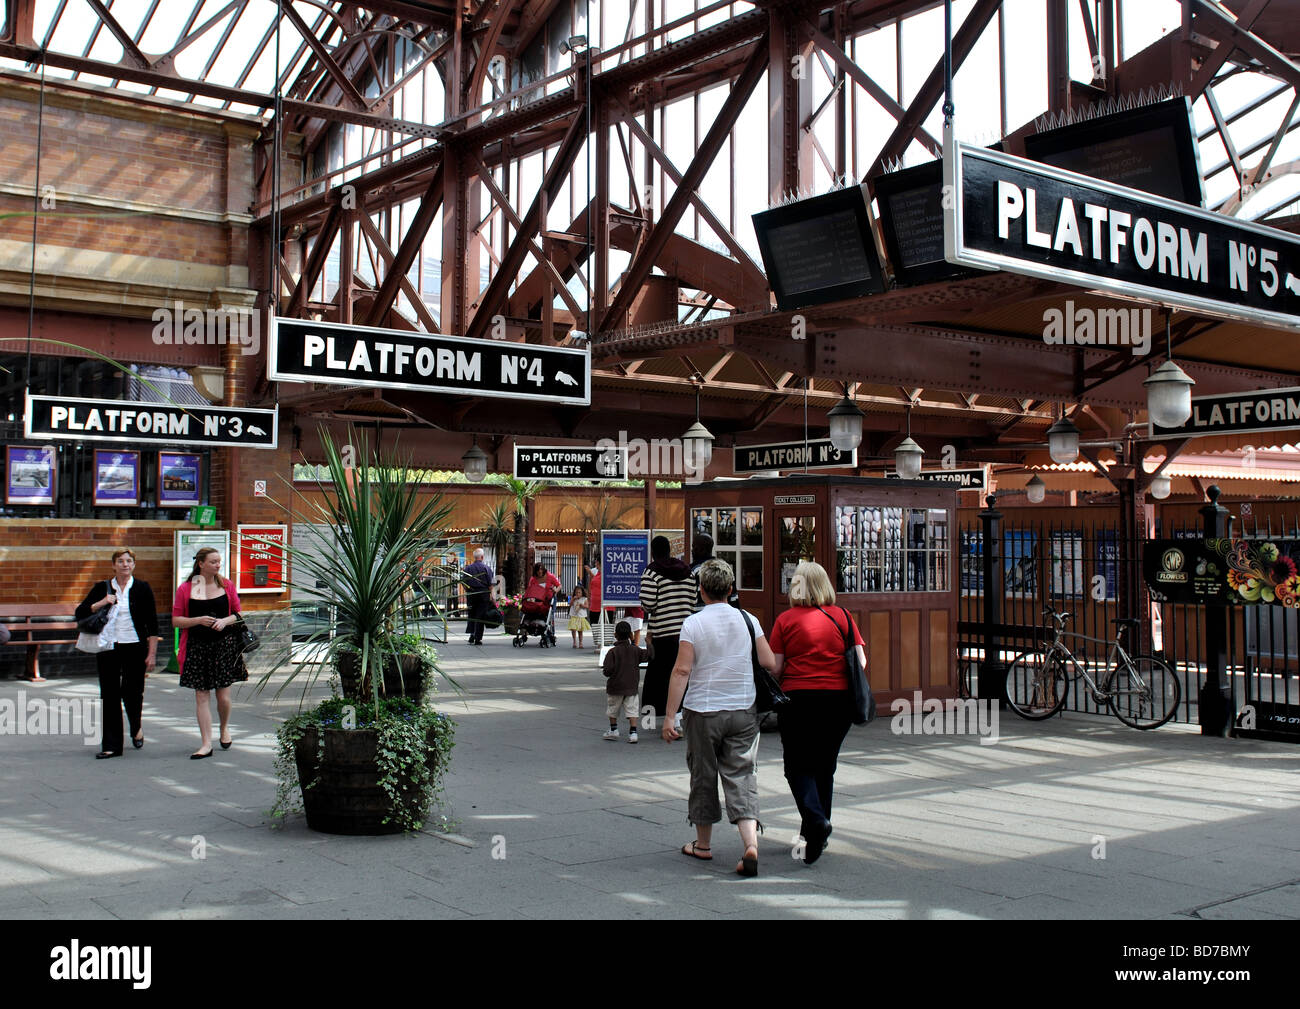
(813, 647)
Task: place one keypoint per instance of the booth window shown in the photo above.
(891, 549)
(737, 539)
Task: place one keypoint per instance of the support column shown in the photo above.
(993, 672)
(790, 63)
(1215, 699)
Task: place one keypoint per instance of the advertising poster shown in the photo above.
(117, 478)
(178, 480)
(1225, 571)
(1067, 564)
(29, 475)
(1020, 562)
(188, 542)
(624, 554)
(261, 559)
(1108, 561)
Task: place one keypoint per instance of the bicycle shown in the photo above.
(1140, 691)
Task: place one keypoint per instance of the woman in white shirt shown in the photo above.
(713, 683)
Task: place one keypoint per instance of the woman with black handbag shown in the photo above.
(207, 608)
(713, 682)
(132, 626)
(811, 642)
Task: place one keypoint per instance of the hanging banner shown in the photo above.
(1011, 214)
(624, 554)
(72, 418)
(261, 558)
(1238, 413)
(1224, 571)
(300, 350)
(816, 454)
(564, 462)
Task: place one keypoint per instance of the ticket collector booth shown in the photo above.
(887, 545)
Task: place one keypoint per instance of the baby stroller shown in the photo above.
(538, 621)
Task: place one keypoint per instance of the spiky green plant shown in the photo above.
(498, 533)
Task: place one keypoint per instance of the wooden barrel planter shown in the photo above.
(511, 618)
(403, 677)
(347, 797)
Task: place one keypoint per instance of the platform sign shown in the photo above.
(962, 479)
(812, 455)
(1238, 413)
(1017, 215)
(569, 462)
(624, 554)
(261, 566)
(300, 350)
(73, 418)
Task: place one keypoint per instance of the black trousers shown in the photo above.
(813, 726)
(121, 684)
(658, 671)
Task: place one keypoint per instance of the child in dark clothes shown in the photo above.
(622, 667)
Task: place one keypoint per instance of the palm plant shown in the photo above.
(594, 514)
(498, 533)
(522, 491)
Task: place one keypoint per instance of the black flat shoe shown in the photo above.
(138, 743)
(200, 756)
(225, 745)
(105, 754)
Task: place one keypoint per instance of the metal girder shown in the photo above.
(1236, 35)
(513, 260)
(409, 248)
(639, 268)
(315, 261)
(923, 103)
(386, 254)
(327, 61)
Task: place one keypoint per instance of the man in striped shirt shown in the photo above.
(668, 591)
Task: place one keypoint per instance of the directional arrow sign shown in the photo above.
(303, 351)
(72, 418)
(583, 462)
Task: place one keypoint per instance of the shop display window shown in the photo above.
(891, 549)
(737, 539)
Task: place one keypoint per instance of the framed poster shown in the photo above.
(624, 554)
(188, 542)
(30, 475)
(261, 559)
(178, 480)
(117, 478)
(1067, 564)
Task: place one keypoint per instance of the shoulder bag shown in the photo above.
(248, 641)
(94, 631)
(768, 695)
(864, 705)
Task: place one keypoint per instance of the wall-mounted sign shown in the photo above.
(261, 559)
(202, 515)
(1238, 412)
(179, 480)
(72, 418)
(303, 351)
(818, 454)
(559, 462)
(624, 554)
(1152, 148)
(189, 542)
(117, 478)
(794, 499)
(30, 475)
(1017, 215)
(820, 249)
(1224, 571)
(962, 479)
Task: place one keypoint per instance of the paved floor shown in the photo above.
(1079, 818)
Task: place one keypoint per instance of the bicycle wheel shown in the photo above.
(963, 677)
(1036, 685)
(1144, 693)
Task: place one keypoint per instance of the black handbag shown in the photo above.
(98, 620)
(768, 695)
(864, 704)
(248, 641)
(492, 617)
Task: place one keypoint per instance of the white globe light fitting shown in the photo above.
(1169, 395)
(846, 425)
(1063, 441)
(697, 444)
(907, 459)
(1161, 487)
(1036, 490)
(474, 463)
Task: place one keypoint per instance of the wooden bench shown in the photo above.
(38, 618)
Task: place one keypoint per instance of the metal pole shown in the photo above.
(1215, 708)
(993, 672)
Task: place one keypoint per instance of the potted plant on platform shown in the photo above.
(371, 758)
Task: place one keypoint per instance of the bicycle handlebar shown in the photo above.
(1060, 618)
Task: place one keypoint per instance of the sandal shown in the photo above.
(749, 864)
(692, 849)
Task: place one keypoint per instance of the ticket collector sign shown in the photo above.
(75, 419)
(303, 351)
(1011, 214)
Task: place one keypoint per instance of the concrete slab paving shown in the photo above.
(1077, 817)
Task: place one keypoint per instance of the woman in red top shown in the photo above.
(809, 643)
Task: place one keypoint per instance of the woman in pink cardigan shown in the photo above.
(206, 608)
